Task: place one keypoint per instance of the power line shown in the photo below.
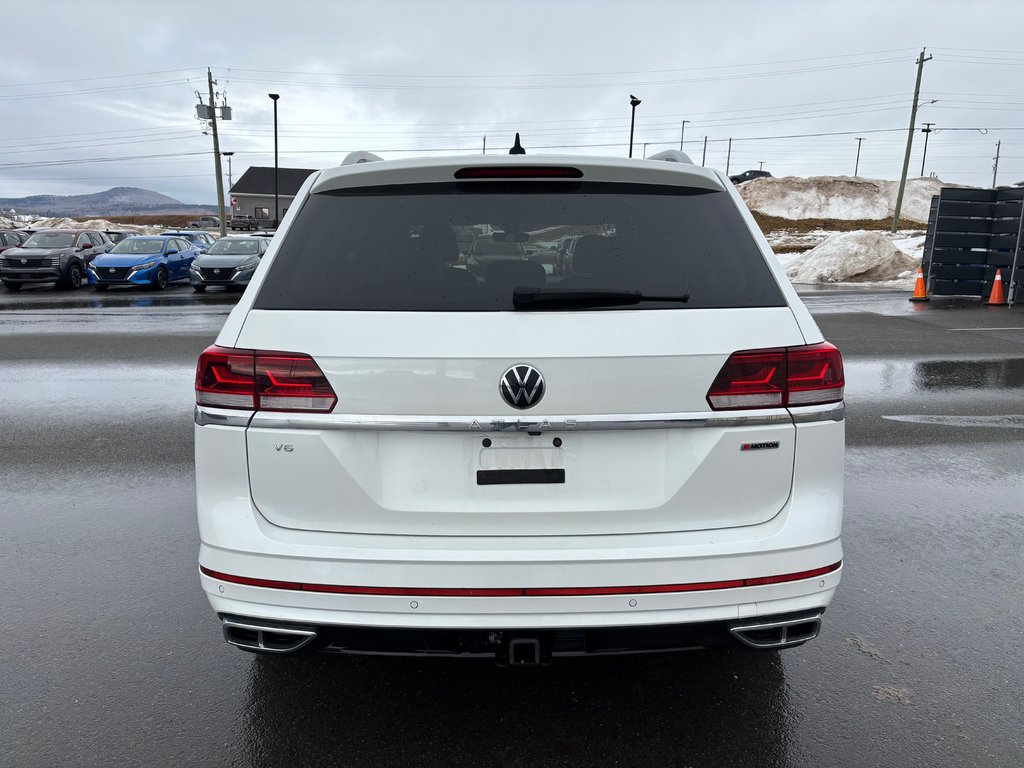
(99, 77)
(572, 74)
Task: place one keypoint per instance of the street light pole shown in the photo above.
(277, 217)
(230, 183)
(633, 102)
(682, 128)
(856, 165)
(926, 130)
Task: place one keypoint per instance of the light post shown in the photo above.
(856, 165)
(634, 102)
(230, 183)
(274, 97)
(926, 130)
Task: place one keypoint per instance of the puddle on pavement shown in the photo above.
(891, 378)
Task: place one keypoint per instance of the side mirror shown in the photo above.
(171, 251)
(86, 246)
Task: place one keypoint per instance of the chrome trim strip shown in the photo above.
(221, 417)
(225, 417)
(813, 413)
(269, 420)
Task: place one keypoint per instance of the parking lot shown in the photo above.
(112, 655)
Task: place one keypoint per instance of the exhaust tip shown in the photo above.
(266, 637)
(784, 633)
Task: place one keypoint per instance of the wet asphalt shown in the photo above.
(111, 655)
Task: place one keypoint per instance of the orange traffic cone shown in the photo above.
(996, 297)
(919, 292)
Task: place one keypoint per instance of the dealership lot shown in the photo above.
(112, 654)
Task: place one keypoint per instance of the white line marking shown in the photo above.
(985, 329)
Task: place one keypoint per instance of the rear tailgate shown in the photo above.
(419, 416)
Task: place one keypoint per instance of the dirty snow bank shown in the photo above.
(64, 222)
(852, 257)
(839, 197)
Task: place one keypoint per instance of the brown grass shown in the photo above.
(170, 220)
(799, 226)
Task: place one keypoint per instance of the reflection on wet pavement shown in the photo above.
(891, 377)
(663, 710)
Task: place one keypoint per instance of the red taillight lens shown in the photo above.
(774, 378)
(815, 375)
(267, 381)
(225, 378)
(288, 382)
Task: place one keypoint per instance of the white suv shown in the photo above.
(395, 454)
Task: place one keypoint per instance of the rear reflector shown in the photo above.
(648, 589)
(519, 172)
(779, 378)
(254, 380)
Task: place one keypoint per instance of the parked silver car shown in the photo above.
(229, 263)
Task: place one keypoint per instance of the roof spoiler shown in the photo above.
(672, 156)
(354, 158)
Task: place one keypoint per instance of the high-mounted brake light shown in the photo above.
(779, 378)
(519, 172)
(265, 381)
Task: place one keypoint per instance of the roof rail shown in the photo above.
(354, 158)
(672, 156)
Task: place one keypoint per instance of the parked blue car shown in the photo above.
(150, 261)
(202, 240)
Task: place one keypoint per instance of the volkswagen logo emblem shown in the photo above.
(522, 386)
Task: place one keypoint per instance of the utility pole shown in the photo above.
(728, 157)
(910, 142)
(682, 128)
(856, 165)
(995, 167)
(216, 155)
(760, 165)
(485, 146)
(704, 157)
(926, 130)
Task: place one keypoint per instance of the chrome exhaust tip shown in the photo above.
(269, 637)
(779, 633)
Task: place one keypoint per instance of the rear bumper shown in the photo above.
(419, 574)
(522, 646)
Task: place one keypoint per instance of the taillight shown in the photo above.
(778, 378)
(262, 381)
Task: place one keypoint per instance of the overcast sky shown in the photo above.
(93, 95)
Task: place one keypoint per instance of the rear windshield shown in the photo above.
(470, 246)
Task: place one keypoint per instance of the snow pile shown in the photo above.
(856, 257)
(839, 197)
(98, 224)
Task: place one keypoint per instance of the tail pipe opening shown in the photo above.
(780, 633)
(266, 637)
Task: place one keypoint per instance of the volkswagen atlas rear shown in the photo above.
(396, 453)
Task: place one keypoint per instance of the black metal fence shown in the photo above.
(971, 234)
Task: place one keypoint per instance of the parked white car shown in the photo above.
(397, 455)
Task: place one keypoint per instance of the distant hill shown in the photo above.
(118, 201)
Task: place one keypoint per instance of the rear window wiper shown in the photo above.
(533, 298)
